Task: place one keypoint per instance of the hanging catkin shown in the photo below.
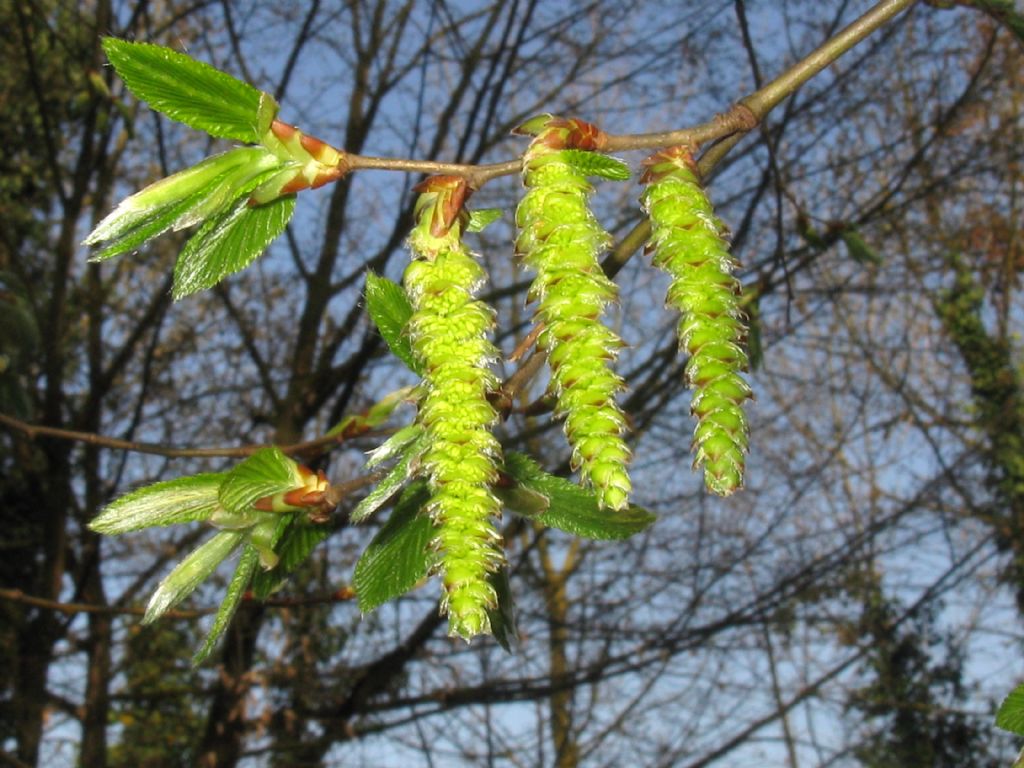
(688, 243)
(561, 240)
(448, 331)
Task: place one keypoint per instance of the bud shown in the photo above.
(308, 163)
(312, 494)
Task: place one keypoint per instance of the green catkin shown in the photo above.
(688, 244)
(561, 240)
(448, 331)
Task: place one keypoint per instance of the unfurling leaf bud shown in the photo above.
(307, 163)
(688, 243)
(448, 330)
(561, 240)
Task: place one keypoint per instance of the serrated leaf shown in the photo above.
(394, 445)
(480, 220)
(182, 200)
(296, 545)
(266, 472)
(503, 616)
(398, 557)
(155, 223)
(187, 90)
(191, 572)
(1010, 716)
(236, 590)
(596, 164)
(523, 501)
(229, 242)
(265, 114)
(168, 503)
(394, 480)
(573, 509)
(390, 310)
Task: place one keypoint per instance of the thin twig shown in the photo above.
(34, 431)
(528, 341)
(341, 595)
(738, 118)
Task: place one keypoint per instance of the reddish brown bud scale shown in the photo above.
(584, 135)
(308, 163)
(447, 195)
(313, 145)
(326, 177)
(297, 184)
(667, 161)
(312, 493)
(556, 133)
(283, 131)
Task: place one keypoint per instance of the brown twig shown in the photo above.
(34, 431)
(738, 118)
(528, 341)
(341, 595)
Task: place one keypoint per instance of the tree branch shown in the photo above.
(34, 431)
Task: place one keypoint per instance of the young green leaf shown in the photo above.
(169, 503)
(394, 445)
(375, 415)
(265, 473)
(390, 310)
(296, 545)
(1010, 716)
(523, 501)
(236, 590)
(229, 243)
(230, 520)
(263, 537)
(155, 223)
(480, 220)
(595, 164)
(571, 508)
(171, 190)
(189, 91)
(399, 556)
(402, 471)
(191, 572)
(182, 200)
